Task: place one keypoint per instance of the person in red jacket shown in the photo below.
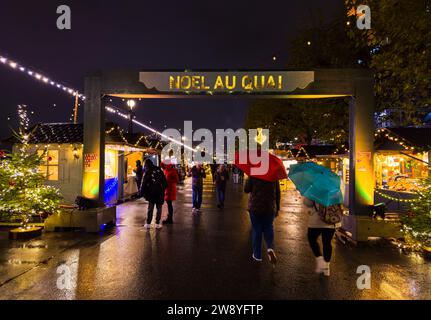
(172, 178)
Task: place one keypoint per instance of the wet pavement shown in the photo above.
(205, 256)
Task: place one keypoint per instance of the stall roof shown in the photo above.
(312, 151)
(414, 137)
(59, 133)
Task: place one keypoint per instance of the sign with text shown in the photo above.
(227, 82)
(90, 162)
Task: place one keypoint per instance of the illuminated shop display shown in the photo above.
(399, 171)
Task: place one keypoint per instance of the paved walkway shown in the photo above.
(206, 256)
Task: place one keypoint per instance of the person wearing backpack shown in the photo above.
(153, 190)
(322, 222)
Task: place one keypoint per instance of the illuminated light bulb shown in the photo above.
(70, 91)
(38, 76)
(3, 60)
(30, 73)
(58, 86)
(45, 79)
(13, 64)
(22, 69)
(131, 103)
(52, 83)
(309, 43)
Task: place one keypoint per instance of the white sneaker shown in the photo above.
(272, 257)
(326, 271)
(320, 264)
(158, 225)
(147, 226)
(256, 259)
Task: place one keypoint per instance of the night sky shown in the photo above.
(143, 35)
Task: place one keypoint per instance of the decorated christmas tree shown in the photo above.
(417, 225)
(22, 190)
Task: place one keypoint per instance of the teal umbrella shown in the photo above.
(316, 183)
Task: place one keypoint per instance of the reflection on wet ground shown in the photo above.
(204, 256)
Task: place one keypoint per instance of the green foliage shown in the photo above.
(22, 189)
(400, 36)
(417, 226)
(323, 44)
(325, 119)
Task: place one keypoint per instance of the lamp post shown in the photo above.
(131, 104)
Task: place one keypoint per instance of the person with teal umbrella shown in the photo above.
(320, 189)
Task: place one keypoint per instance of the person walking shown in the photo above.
(221, 177)
(263, 207)
(241, 176)
(318, 228)
(235, 175)
(153, 190)
(172, 179)
(139, 173)
(198, 176)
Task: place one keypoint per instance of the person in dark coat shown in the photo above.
(198, 176)
(172, 179)
(139, 171)
(153, 190)
(221, 177)
(263, 207)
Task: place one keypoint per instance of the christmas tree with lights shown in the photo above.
(417, 225)
(22, 190)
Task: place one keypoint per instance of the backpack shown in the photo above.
(329, 215)
(154, 185)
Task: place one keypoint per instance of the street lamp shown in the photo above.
(131, 104)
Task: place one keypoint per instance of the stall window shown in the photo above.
(111, 163)
(49, 166)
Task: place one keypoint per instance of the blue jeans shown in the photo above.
(197, 196)
(220, 196)
(262, 225)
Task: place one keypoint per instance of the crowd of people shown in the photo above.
(159, 184)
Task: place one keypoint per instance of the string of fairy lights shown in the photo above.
(389, 197)
(395, 138)
(39, 76)
(121, 114)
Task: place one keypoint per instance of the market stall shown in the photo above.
(401, 161)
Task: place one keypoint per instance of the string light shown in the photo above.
(386, 196)
(395, 138)
(38, 76)
(125, 116)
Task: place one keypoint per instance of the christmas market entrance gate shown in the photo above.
(325, 83)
